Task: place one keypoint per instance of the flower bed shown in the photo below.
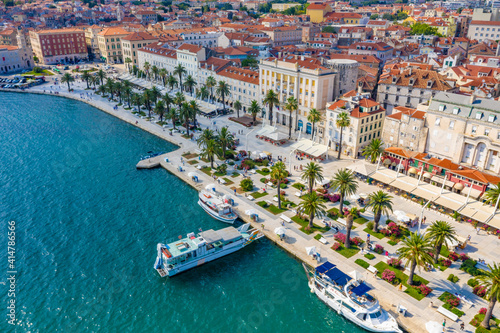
(304, 223)
(378, 249)
(346, 252)
(394, 262)
(413, 291)
(469, 266)
(479, 290)
(451, 303)
(390, 277)
(453, 256)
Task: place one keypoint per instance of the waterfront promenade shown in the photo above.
(419, 312)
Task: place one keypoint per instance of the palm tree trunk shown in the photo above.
(279, 194)
(412, 272)
(340, 142)
(223, 103)
(311, 224)
(312, 133)
(290, 126)
(341, 203)
(212, 161)
(347, 243)
(486, 322)
(270, 114)
(438, 251)
(187, 126)
(68, 86)
(376, 220)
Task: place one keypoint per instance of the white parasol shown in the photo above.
(433, 327)
(311, 250)
(210, 187)
(356, 275)
(262, 155)
(363, 195)
(399, 212)
(250, 212)
(280, 231)
(355, 196)
(403, 218)
(192, 174)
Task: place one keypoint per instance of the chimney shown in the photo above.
(360, 88)
(472, 98)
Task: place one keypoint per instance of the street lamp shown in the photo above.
(246, 136)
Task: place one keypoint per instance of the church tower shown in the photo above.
(25, 51)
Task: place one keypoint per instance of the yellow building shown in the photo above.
(317, 12)
(110, 44)
(279, 7)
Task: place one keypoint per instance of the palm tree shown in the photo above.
(101, 90)
(95, 81)
(172, 115)
(209, 151)
(271, 99)
(127, 94)
(179, 99)
(146, 67)
(345, 182)
(414, 252)
(380, 203)
(441, 232)
(195, 109)
(291, 106)
(348, 226)
(147, 97)
(135, 70)
(118, 88)
(491, 195)
(342, 122)
(373, 150)
(155, 72)
(180, 70)
(313, 117)
(163, 75)
(204, 92)
(313, 206)
(237, 107)
(491, 281)
(190, 83)
(101, 75)
(211, 83)
(110, 87)
(225, 140)
(160, 109)
(67, 78)
(278, 173)
(312, 173)
(171, 82)
(156, 93)
(254, 110)
(86, 77)
(137, 100)
(205, 136)
(185, 115)
(223, 90)
(127, 62)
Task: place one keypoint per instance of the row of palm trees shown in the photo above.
(214, 144)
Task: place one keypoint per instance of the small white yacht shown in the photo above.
(350, 298)
(218, 206)
(195, 250)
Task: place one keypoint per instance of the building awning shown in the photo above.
(361, 289)
(439, 180)
(362, 168)
(477, 210)
(495, 221)
(447, 201)
(266, 130)
(426, 191)
(382, 177)
(310, 148)
(403, 185)
(474, 193)
(277, 136)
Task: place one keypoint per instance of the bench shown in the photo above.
(269, 202)
(447, 313)
(323, 240)
(285, 218)
(372, 269)
(342, 221)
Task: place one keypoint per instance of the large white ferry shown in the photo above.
(350, 298)
(218, 206)
(195, 250)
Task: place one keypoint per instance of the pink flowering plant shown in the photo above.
(357, 241)
(394, 262)
(479, 291)
(453, 256)
(389, 276)
(379, 249)
(483, 311)
(423, 289)
(336, 246)
(340, 237)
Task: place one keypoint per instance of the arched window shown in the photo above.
(308, 128)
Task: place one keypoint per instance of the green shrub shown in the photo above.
(472, 283)
(37, 69)
(347, 203)
(453, 278)
(230, 162)
(221, 169)
(282, 186)
(265, 162)
(370, 225)
(456, 311)
(246, 184)
(265, 170)
(369, 256)
(362, 263)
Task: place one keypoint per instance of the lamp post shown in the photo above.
(246, 138)
(422, 215)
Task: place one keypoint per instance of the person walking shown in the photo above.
(478, 230)
(444, 324)
(462, 326)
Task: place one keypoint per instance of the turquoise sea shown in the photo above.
(87, 224)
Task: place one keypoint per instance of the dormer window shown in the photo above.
(441, 107)
(491, 118)
(412, 81)
(430, 83)
(479, 115)
(456, 110)
(394, 79)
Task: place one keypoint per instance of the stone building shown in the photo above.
(405, 128)
(347, 75)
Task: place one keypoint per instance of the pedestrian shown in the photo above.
(234, 191)
(262, 226)
(368, 238)
(431, 304)
(468, 238)
(478, 230)
(444, 324)
(462, 326)
(375, 274)
(386, 253)
(425, 218)
(400, 287)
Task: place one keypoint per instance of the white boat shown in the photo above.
(349, 297)
(195, 250)
(219, 207)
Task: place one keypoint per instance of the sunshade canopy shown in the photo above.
(361, 289)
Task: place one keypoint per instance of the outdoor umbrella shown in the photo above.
(399, 212)
(355, 196)
(192, 174)
(280, 231)
(433, 327)
(210, 187)
(250, 212)
(311, 250)
(356, 275)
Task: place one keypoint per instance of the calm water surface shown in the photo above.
(87, 224)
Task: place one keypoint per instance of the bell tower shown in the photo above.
(25, 51)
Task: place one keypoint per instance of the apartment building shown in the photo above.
(201, 38)
(147, 16)
(465, 129)
(92, 42)
(190, 56)
(243, 84)
(405, 128)
(284, 35)
(306, 79)
(309, 31)
(484, 30)
(8, 37)
(16, 58)
(408, 85)
(318, 11)
(62, 45)
(133, 42)
(381, 50)
(110, 44)
(366, 122)
(157, 54)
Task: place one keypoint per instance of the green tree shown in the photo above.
(329, 29)
(490, 280)
(127, 94)
(491, 195)
(250, 61)
(171, 82)
(380, 203)
(223, 90)
(137, 100)
(204, 92)
(237, 106)
(343, 121)
(349, 219)
(374, 17)
(204, 137)
(420, 28)
(147, 67)
(209, 151)
(172, 115)
(101, 75)
(313, 172)
(271, 100)
(147, 97)
(373, 150)
(414, 252)
(190, 83)
(67, 78)
(155, 93)
(291, 106)
(225, 139)
(345, 183)
(195, 109)
(128, 61)
(86, 77)
(155, 71)
(211, 83)
(179, 99)
(313, 117)
(312, 205)
(118, 88)
(180, 71)
(254, 109)
(163, 75)
(278, 173)
(168, 101)
(439, 233)
(160, 109)
(185, 115)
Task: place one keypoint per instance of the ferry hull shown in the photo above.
(214, 215)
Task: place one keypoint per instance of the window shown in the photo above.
(441, 107)
(456, 110)
(452, 124)
(446, 148)
(486, 131)
(448, 136)
(479, 115)
(438, 121)
(474, 129)
(491, 118)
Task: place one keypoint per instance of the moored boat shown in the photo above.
(216, 205)
(349, 297)
(195, 250)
